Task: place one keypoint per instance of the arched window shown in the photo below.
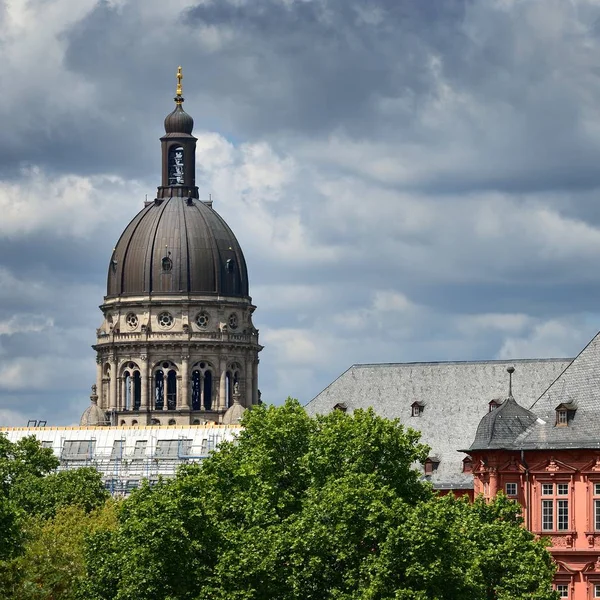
(172, 422)
(176, 172)
(137, 390)
(171, 390)
(208, 390)
(159, 390)
(202, 386)
(134, 422)
(196, 378)
(127, 399)
(232, 377)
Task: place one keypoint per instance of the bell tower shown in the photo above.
(178, 151)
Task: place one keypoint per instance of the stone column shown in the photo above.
(144, 383)
(222, 386)
(184, 395)
(249, 384)
(493, 482)
(112, 404)
(121, 404)
(202, 406)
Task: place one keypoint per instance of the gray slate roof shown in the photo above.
(502, 426)
(455, 396)
(578, 388)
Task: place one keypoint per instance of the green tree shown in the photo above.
(325, 508)
(53, 558)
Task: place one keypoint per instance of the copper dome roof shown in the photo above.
(177, 246)
(179, 121)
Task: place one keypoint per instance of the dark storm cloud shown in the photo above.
(395, 115)
(321, 65)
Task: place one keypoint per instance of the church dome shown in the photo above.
(179, 121)
(177, 245)
(93, 416)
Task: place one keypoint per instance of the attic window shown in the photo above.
(467, 465)
(431, 464)
(561, 417)
(341, 406)
(167, 264)
(565, 411)
(229, 265)
(417, 409)
(493, 404)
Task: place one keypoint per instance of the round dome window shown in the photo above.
(131, 320)
(233, 321)
(202, 320)
(165, 320)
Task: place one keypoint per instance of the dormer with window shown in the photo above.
(565, 412)
(431, 464)
(493, 404)
(341, 406)
(467, 465)
(417, 408)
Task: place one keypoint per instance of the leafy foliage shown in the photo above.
(325, 508)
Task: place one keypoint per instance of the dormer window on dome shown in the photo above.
(565, 412)
(493, 404)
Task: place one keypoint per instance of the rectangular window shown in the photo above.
(597, 514)
(561, 417)
(562, 489)
(547, 489)
(597, 590)
(547, 515)
(511, 489)
(562, 507)
(597, 489)
(563, 591)
(416, 411)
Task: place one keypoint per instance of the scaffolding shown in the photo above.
(125, 456)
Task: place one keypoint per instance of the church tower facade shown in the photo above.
(177, 344)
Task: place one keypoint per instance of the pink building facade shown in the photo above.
(547, 458)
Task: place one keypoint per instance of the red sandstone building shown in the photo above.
(547, 458)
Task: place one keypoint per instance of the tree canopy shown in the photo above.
(325, 508)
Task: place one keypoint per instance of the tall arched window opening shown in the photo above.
(159, 390)
(171, 390)
(208, 390)
(232, 377)
(176, 172)
(196, 378)
(128, 381)
(137, 390)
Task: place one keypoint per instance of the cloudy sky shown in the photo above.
(410, 180)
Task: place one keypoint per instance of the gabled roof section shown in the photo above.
(577, 389)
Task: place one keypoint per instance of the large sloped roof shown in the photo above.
(455, 396)
(578, 387)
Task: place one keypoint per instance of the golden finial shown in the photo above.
(179, 78)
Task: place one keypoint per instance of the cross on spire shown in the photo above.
(179, 91)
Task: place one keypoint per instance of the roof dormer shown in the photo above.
(565, 412)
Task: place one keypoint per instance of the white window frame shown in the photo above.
(562, 589)
(597, 590)
(509, 486)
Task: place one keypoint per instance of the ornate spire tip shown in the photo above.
(179, 91)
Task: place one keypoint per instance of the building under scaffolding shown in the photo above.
(125, 456)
